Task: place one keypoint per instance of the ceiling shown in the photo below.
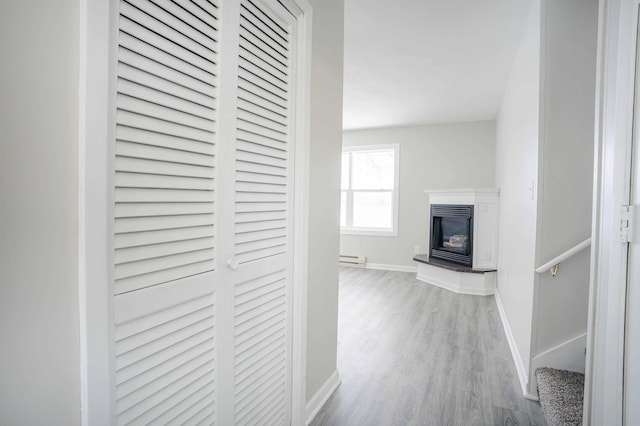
(411, 62)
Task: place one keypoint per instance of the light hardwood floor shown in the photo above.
(414, 354)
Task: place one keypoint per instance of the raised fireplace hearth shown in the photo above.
(463, 240)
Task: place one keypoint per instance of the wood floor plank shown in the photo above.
(413, 354)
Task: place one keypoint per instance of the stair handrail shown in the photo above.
(554, 263)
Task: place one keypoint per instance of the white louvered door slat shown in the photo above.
(160, 122)
(138, 143)
(152, 64)
(164, 214)
(202, 272)
(263, 215)
(267, 105)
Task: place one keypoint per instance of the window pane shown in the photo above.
(345, 170)
(343, 208)
(372, 169)
(372, 209)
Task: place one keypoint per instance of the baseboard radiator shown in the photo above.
(353, 261)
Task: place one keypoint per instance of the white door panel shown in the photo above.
(164, 215)
(165, 352)
(203, 212)
(263, 215)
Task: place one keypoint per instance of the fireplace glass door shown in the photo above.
(452, 234)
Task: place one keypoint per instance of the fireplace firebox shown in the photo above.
(452, 233)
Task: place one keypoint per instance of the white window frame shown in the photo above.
(349, 229)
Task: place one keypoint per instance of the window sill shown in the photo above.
(369, 232)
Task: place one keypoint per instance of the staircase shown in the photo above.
(561, 394)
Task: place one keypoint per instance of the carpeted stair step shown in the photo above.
(561, 393)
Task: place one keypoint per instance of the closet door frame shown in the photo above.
(303, 12)
(96, 157)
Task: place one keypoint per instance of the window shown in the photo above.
(369, 199)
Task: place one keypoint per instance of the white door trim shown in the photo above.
(614, 116)
(631, 379)
(95, 163)
(303, 12)
(95, 200)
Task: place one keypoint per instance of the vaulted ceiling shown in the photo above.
(410, 62)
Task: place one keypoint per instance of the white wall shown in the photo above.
(568, 68)
(568, 46)
(442, 156)
(561, 305)
(568, 78)
(516, 170)
(324, 191)
(545, 137)
(39, 329)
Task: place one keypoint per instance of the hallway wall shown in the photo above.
(324, 191)
(567, 113)
(544, 169)
(516, 173)
(39, 317)
(568, 78)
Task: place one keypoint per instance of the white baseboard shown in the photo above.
(385, 267)
(568, 355)
(517, 359)
(323, 394)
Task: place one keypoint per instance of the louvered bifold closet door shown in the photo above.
(263, 214)
(164, 229)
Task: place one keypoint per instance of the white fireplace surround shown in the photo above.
(485, 221)
(481, 279)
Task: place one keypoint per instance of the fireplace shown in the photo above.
(463, 240)
(452, 233)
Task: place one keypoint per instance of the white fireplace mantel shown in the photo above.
(481, 278)
(465, 196)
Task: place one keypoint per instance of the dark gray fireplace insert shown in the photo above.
(452, 233)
